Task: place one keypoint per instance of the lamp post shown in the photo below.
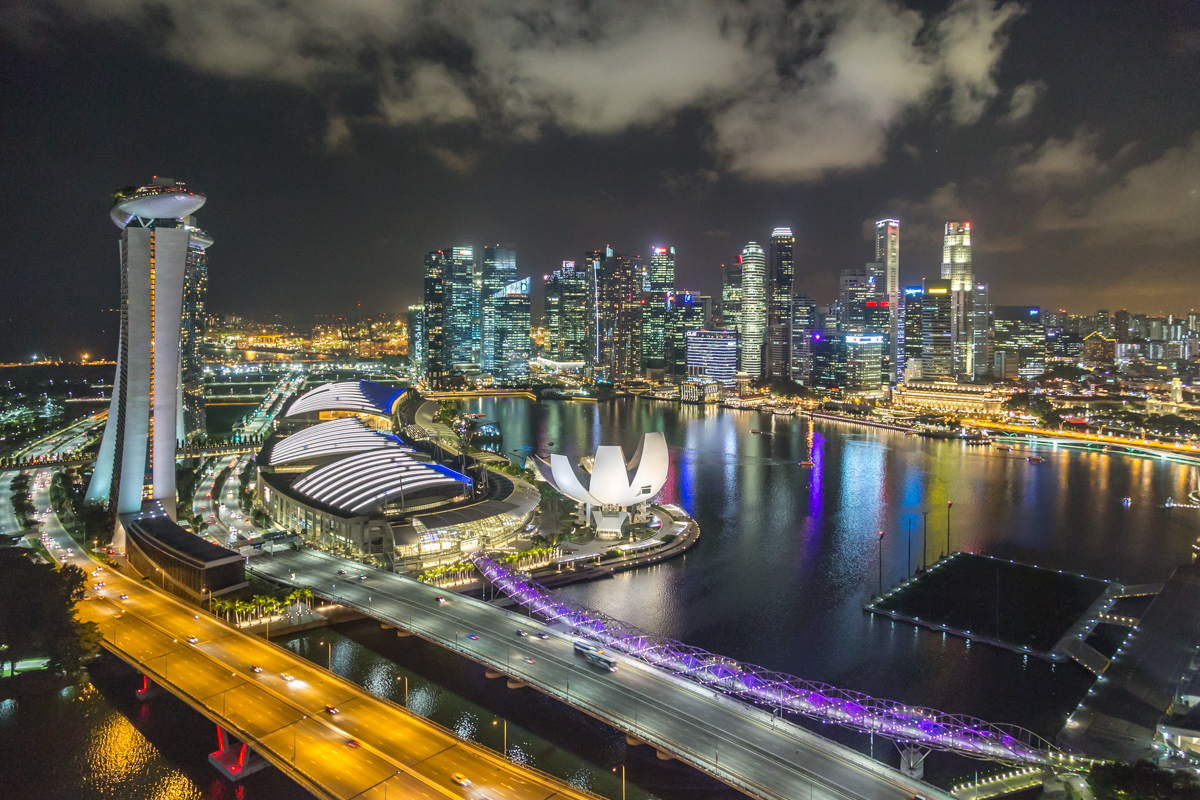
(622, 780)
(329, 655)
(405, 679)
(881, 563)
(908, 565)
(949, 505)
(924, 537)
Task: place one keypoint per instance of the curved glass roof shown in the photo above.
(366, 397)
(362, 482)
(336, 437)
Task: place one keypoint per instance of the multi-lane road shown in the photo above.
(65, 441)
(742, 745)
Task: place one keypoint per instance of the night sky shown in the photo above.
(337, 141)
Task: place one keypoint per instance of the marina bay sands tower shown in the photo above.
(136, 462)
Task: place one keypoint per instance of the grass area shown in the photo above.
(1020, 605)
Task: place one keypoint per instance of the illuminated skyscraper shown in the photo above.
(980, 318)
(462, 304)
(685, 312)
(781, 274)
(513, 345)
(712, 354)
(193, 421)
(499, 270)
(887, 252)
(570, 313)
(911, 331)
(136, 461)
(437, 345)
(619, 314)
(752, 324)
(416, 339)
(958, 270)
(654, 330)
(936, 329)
(804, 325)
(731, 295)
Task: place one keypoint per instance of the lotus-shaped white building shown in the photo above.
(608, 487)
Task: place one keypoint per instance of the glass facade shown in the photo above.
(752, 323)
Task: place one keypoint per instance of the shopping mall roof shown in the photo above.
(366, 397)
(336, 437)
(360, 483)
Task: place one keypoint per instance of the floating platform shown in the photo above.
(1021, 607)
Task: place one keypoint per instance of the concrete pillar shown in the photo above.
(632, 741)
(663, 756)
(148, 689)
(491, 673)
(234, 759)
(912, 762)
(403, 633)
(513, 683)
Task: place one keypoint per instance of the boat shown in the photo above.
(1035, 459)
(783, 411)
(757, 433)
(806, 464)
(1003, 447)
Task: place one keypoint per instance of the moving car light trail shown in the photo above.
(909, 725)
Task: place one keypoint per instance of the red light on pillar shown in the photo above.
(220, 739)
(242, 756)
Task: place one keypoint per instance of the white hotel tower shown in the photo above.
(136, 461)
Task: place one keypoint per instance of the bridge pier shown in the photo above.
(912, 761)
(632, 741)
(513, 683)
(403, 634)
(149, 689)
(490, 673)
(661, 756)
(234, 759)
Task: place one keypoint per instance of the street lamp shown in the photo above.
(329, 659)
(405, 679)
(881, 563)
(949, 505)
(622, 780)
(924, 536)
(505, 751)
(908, 566)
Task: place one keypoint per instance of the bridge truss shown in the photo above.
(908, 726)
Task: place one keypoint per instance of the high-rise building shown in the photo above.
(781, 275)
(910, 329)
(499, 269)
(829, 370)
(685, 312)
(620, 302)
(804, 325)
(193, 422)
(936, 329)
(958, 269)
(731, 296)
(1020, 342)
(864, 361)
(712, 354)
(981, 333)
(752, 324)
(570, 313)
(437, 343)
(416, 339)
(136, 461)
(887, 252)
(462, 307)
(661, 280)
(856, 287)
(511, 339)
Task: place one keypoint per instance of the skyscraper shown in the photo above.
(887, 252)
(804, 325)
(912, 338)
(980, 318)
(958, 270)
(1020, 342)
(712, 354)
(619, 307)
(499, 270)
(685, 312)
(936, 331)
(731, 295)
(752, 324)
(513, 345)
(136, 461)
(193, 422)
(661, 285)
(437, 345)
(570, 312)
(416, 339)
(781, 272)
(462, 303)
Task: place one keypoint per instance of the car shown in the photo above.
(351, 743)
(286, 677)
(543, 635)
(332, 709)
(122, 596)
(440, 599)
(62, 557)
(460, 779)
(521, 632)
(208, 495)
(362, 577)
(255, 668)
(341, 572)
(193, 639)
(472, 635)
(529, 660)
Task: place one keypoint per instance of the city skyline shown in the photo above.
(1073, 201)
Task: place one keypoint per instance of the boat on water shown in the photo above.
(806, 464)
(1003, 447)
(1035, 459)
(756, 433)
(783, 411)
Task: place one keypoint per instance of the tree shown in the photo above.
(1142, 781)
(37, 614)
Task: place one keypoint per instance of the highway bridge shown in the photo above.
(64, 460)
(745, 746)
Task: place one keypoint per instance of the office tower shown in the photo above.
(661, 279)
(829, 370)
(1062, 346)
(570, 313)
(731, 296)
(462, 303)
(437, 344)
(416, 339)
(856, 287)
(781, 274)
(499, 269)
(136, 460)
(980, 320)
(887, 253)
(619, 306)
(1104, 323)
(712, 354)
(685, 312)
(864, 361)
(1019, 342)
(911, 331)
(752, 324)
(193, 422)
(958, 269)
(511, 339)
(937, 354)
(1122, 325)
(552, 290)
(804, 325)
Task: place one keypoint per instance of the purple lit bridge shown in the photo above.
(915, 730)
